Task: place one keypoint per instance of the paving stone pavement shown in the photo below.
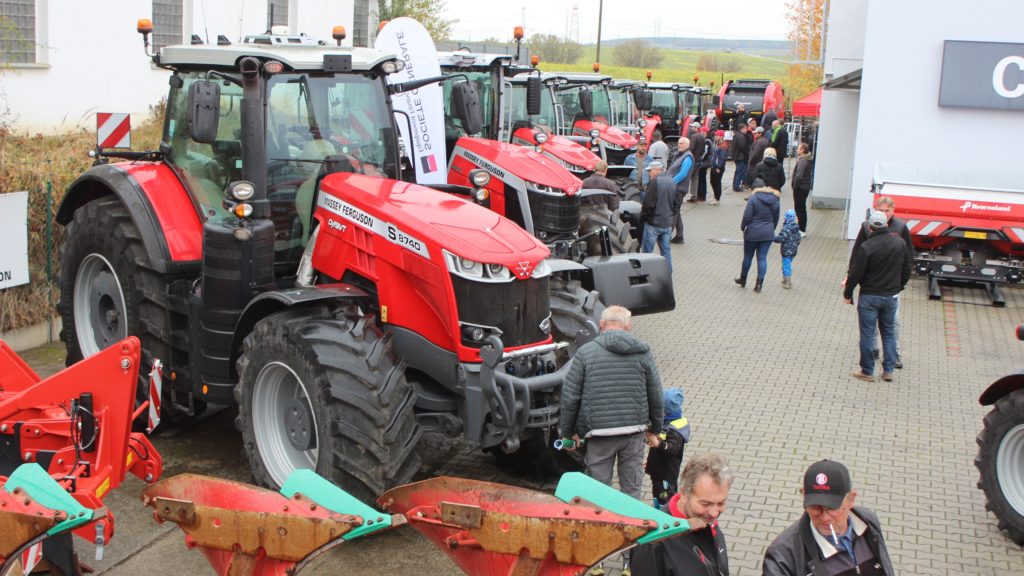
(767, 383)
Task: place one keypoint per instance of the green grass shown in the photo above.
(680, 66)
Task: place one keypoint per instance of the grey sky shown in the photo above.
(754, 19)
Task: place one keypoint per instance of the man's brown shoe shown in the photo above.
(862, 376)
(887, 376)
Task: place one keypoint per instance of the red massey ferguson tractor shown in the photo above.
(534, 183)
(270, 255)
(758, 97)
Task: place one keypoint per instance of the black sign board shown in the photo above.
(982, 75)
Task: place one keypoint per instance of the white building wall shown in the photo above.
(837, 126)
(91, 59)
(900, 120)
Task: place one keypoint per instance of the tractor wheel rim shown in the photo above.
(277, 391)
(99, 308)
(1010, 467)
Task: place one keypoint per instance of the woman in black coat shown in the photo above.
(760, 218)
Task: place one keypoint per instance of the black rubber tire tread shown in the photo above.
(630, 190)
(571, 308)
(103, 226)
(366, 429)
(593, 216)
(1007, 413)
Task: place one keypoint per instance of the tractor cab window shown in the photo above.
(452, 125)
(569, 98)
(664, 104)
(206, 168)
(623, 107)
(517, 108)
(312, 118)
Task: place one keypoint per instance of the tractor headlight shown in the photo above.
(241, 190)
(477, 271)
(481, 194)
(642, 123)
(389, 67)
(479, 178)
(541, 137)
(595, 134)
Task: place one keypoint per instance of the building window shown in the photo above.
(361, 23)
(18, 31)
(277, 13)
(167, 23)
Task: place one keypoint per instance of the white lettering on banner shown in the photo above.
(999, 84)
(392, 233)
(423, 133)
(14, 239)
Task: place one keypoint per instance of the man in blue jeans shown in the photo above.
(661, 204)
(881, 267)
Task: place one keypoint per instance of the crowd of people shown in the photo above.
(613, 398)
(613, 402)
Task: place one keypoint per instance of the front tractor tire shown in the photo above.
(593, 216)
(109, 290)
(322, 390)
(1000, 461)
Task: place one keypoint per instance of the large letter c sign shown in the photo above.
(997, 77)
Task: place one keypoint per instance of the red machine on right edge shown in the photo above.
(967, 228)
(758, 97)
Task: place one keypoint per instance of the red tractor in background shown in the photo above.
(271, 255)
(533, 173)
(757, 96)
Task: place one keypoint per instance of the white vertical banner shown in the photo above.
(14, 239)
(425, 106)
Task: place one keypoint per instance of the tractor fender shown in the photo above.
(274, 301)
(558, 265)
(1005, 385)
(594, 192)
(171, 229)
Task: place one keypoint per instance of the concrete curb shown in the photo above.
(21, 339)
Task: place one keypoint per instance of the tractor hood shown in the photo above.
(501, 157)
(610, 134)
(426, 221)
(568, 152)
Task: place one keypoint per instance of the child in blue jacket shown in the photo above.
(665, 458)
(789, 237)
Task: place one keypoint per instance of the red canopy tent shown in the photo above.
(809, 105)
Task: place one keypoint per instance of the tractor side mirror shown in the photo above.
(714, 101)
(587, 103)
(203, 111)
(644, 99)
(466, 102)
(533, 91)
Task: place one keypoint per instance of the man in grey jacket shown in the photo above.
(833, 537)
(612, 397)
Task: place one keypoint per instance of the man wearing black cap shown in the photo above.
(834, 537)
(659, 208)
(881, 266)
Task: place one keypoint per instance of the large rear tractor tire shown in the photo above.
(630, 191)
(1000, 461)
(109, 291)
(322, 390)
(593, 216)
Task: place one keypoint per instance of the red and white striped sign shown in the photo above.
(113, 130)
(155, 385)
(31, 557)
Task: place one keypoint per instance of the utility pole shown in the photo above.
(600, 14)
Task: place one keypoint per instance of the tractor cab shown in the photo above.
(625, 113)
(583, 108)
(323, 114)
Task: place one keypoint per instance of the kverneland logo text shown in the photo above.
(988, 207)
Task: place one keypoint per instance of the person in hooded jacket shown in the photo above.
(756, 153)
(789, 238)
(666, 454)
(612, 397)
(770, 170)
(760, 218)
